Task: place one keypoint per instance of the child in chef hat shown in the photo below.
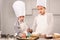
(19, 9)
(43, 21)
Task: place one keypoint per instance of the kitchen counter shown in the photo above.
(37, 39)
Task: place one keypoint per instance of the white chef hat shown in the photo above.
(19, 8)
(41, 3)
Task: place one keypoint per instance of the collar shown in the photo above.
(42, 15)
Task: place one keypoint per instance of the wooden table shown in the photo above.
(28, 39)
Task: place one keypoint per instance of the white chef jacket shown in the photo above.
(43, 23)
(20, 27)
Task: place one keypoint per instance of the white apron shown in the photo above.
(42, 24)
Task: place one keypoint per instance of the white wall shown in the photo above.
(8, 17)
(54, 7)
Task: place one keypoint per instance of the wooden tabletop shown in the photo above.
(28, 39)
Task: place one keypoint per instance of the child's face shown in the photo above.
(41, 10)
(21, 18)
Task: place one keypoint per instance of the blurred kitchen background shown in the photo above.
(8, 18)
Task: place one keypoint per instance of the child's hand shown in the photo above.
(29, 30)
(23, 35)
